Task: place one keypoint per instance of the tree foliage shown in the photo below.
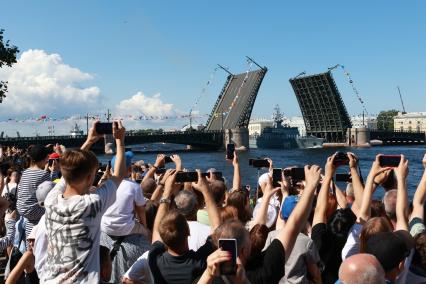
(8, 54)
(385, 119)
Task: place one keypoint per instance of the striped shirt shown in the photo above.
(27, 204)
(10, 235)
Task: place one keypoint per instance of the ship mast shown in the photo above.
(277, 116)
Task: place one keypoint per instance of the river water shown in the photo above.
(293, 157)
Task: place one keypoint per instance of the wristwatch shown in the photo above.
(165, 200)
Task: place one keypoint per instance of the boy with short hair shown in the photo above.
(73, 217)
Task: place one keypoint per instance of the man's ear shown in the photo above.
(401, 266)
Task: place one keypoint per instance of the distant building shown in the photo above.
(256, 126)
(359, 122)
(296, 121)
(411, 121)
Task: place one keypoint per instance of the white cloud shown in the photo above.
(40, 83)
(140, 104)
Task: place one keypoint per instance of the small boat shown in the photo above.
(76, 131)
(309, 142)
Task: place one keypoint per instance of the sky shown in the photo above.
(155, 57)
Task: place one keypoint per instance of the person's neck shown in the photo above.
(178, 252)
(72, 191)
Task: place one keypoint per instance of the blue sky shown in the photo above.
(172, 47)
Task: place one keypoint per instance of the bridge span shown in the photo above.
(209, 140)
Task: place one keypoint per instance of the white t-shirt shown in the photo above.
(352, 243)
(73, 232)
(119, 220)
(140, 272)
(198, 234)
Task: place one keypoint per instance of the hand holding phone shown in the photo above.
(186, 177)
(276, 177)
(104, 128)
(229, 267)
(389, 160)
(259, 163)
(341, 159)
(230, 148)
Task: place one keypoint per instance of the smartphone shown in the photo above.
(50, 162)
(341, 159)
(343, 178)
(276, 176)
(230, 148)
(138, 181)
(229, 267)
(104, 128)
(389, 160)
(296, 174)
(186, 177)
(167, 159)
(259, 163)
(102, 167)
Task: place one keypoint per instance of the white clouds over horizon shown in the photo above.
(41, 83)
(140, 104)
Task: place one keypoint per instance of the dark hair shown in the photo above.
(174, 231)
(371, 227)
(37, 153)
(218, 189)
(339, 224)
(419, 258)
(377, 208)
(258, 236)
(77, 164)
(148, 186)
(240, 199)
(150, 211)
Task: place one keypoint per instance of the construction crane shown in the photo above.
(402, 102)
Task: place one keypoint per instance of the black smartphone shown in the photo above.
(138, 181)
(104, 127)
(50, 162)
(167, 159)
(230, 148)
(296, 174)
(186, 177)
(229, 267)
(389, 160)
(343, 178)
(259, 163)
(341, 159)
(276, 176)
(102, 167)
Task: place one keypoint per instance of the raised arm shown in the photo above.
(356, 182)
(178, 162)
(151, 171)
(92, 137)
(340, 197)
(299, 216)
(236, 181)
(370, 187)
(285, 186)
(401, 197)
(268, 192)
(119, 132)
(156, 195)
(322, 200)
(163, 208)
(202, 186)
(420, 196)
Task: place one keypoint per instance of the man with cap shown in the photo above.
(125, 236)
(304, 260)
(391, 249)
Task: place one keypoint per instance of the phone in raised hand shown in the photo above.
(276, 176)
(230, 148)
(389, 160)
(104, 127)
(229, 267)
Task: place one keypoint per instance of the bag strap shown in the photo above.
(116, 245)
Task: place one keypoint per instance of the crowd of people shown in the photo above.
(69, 219)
